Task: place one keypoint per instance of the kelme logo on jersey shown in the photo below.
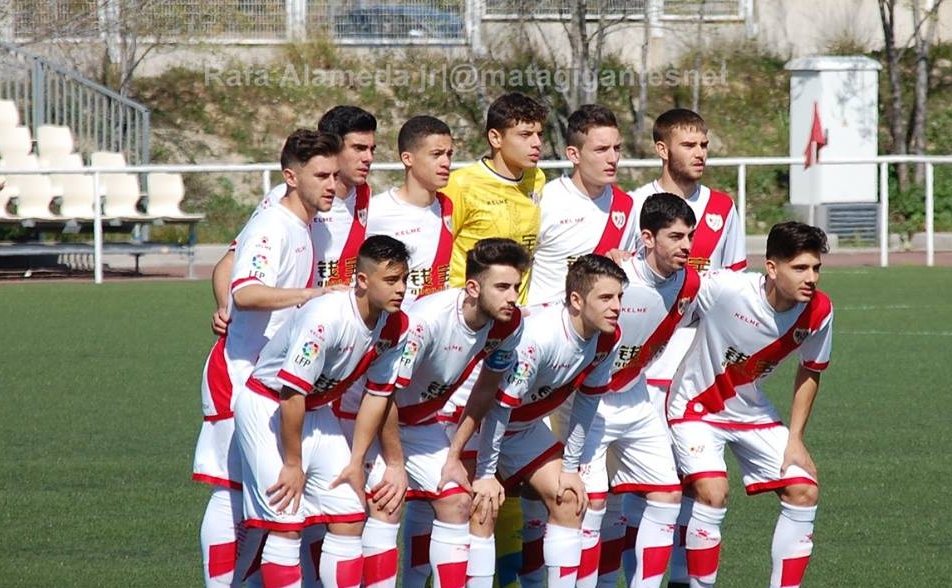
(618, 218)
(714, 221)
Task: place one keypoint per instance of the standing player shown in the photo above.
(297, 467)
(748, 324)
(628, 449)
(495, 197)
(272, 271)
(418, 214)
(449, 333)
(583, 212)
(680, 137)
(563, 348)
(337, 233)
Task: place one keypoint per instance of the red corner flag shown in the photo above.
(817, 139)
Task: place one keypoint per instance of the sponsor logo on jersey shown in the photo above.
(714, 221)
(410, 349)
(618, 218)
(259, 262)
(308, 352)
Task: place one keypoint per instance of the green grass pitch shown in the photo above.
(99, 411)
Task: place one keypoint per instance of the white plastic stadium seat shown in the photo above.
(15, 141)
(36, 193)
(9, 115)
(59, 181)
(24, 161)
(166, 192)
(79, 197)
(122, 195)
(53, 141)
(6, 193)
(109, 159)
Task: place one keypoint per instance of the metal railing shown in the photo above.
(101, 120)
(741, 163)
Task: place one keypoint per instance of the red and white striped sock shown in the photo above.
(653, 545)
(562, 550)
(703, 544)
(381, 560)
(342, 561)
(792, 545)
(679, 562)
(481, 568)
(281, 562)
(218, 536)
(591, 548)
(449, 554)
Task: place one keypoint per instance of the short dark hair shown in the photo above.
(303, 144)
(418, 128)
(789, 239)
(677, 118)
(585, 272)
(495, 251)
(586, 118)
(381, 248)
(344, 119)
(513, 108)
(661, 210)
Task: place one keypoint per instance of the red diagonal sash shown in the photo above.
(662, 333)
(536, 410)
(619, 214)
(738, 374)
(440, 270)
(416, 413)
(706, 237)
(347, 264)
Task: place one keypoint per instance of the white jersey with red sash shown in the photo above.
(574, 224)
(428, 233)
(740, 340)
(326, 347)
(337, 234)
(441, 351)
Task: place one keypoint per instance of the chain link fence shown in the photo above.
(561, 9)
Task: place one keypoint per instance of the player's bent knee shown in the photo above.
(454, 508)
(801, 495)
(711, 491)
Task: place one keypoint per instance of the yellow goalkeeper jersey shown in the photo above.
(486, 204)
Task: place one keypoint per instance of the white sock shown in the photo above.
(219, 536)
(381, 560)
(281, 562)
(342, 561)
(562, 550)
(417, 522)
(703, 544)
(534, 517)
(591, 549)
(482, 562)
(653, 545)
(679, 561)
(792, 545)
(312, 540)
(634, 506)
(449, 554)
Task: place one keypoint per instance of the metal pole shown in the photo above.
(930, 214)
(742, 197)
(97, 231)
(266, 182)
(883, 215)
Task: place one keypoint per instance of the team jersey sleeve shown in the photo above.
(504, 357)
(815, 350)
(713, 283)
(306, 353)
(257, 257)
(491, 433)
(382, 373)
(735, 246)
(520, 378)
(583, 412)
(418, 339)
(596, 382)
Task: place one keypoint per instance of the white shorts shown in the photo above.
(324, 453)
(347, 422)
(217, 458)
(425, 448)
(524, 451)
(699, 447)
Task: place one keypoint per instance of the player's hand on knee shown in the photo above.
(454, 471)
(796, 453)
(220, 320)
(352, 475)
(572, 482)
(389, 493)
(488, 496)
(287, 491)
